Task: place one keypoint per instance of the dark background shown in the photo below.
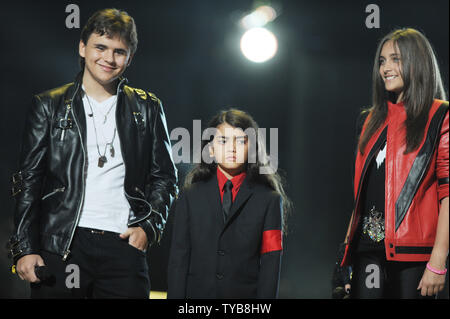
(188, 55)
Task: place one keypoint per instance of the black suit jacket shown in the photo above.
(213, 258)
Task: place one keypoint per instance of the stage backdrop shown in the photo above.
(189, 56)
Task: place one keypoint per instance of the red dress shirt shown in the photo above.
(236, 180)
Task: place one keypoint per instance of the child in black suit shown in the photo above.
(228, 227)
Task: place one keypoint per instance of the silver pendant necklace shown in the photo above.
(105, 116)
(102, 157)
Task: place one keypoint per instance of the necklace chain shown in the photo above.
(107, 113)
(102, 157)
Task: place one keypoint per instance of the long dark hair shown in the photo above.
(204, 171)
(422, 83)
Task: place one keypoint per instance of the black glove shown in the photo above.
(341, 276)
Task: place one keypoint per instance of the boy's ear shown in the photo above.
(130, 59)
(82, 49)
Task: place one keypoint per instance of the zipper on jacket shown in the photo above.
(142, 200)
(140, 192)
(152, 211)
(149, 205)
(56, 190)
(66, 250)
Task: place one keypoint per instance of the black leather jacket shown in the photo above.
(50, 186)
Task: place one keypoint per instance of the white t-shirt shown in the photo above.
(105, 206)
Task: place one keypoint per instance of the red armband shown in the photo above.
(271, 241)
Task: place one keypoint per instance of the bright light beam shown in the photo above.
(259, 18)
(259, 45)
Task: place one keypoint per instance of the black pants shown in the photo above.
(101, 265)
(374, 277)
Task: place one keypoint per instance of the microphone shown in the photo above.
(90, 114)
(42, 273)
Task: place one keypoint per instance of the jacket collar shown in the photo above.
(79, 79)
(73, 100)
(236, 180)
(213, 198)
(245, 191)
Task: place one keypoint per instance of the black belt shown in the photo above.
(98, 231)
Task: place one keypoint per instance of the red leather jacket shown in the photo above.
(415, 183)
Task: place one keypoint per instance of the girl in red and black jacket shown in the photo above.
(398, 237)
(228, 226)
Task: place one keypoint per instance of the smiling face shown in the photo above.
(229, 148)
(105, 58)
(391, 69)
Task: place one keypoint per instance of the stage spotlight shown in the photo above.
(259, 18)
(259, 45)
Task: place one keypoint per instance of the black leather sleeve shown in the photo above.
(28, 182)
(161, 185)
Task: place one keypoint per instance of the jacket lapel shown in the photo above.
(74, 99)
(245, 191)
(363, 161)
(420, 165)
(213, 198)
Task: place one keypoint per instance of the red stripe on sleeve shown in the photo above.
(271, 241)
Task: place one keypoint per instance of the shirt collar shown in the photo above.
(236, 180)
(392, 104)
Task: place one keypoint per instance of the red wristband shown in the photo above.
(436, 271)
